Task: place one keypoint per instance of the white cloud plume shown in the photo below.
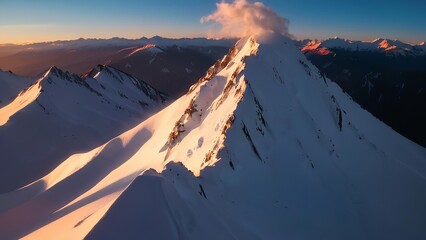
(241, 18)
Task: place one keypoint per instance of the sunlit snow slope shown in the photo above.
(263, 147)
(10, 86)
(61, 114)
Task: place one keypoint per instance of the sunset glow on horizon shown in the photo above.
(36, 21)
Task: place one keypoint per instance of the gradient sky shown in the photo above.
(25, 21)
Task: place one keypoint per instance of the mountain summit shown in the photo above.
(263, 147)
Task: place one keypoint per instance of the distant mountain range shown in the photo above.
(171, 68)
(390, 47)
(90, 43)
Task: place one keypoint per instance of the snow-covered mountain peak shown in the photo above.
(222, 63)
(109, 77)
(58, 89)
(269, 117)
(56, 74)
(57, 82)
(210, 101)
(384, 44)
(53, 70)
(314, 46)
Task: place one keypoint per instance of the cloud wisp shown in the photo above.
(241, 18)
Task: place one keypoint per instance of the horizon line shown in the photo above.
(5, 44)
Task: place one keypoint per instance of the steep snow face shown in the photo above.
(10, 86)
(24, 98)
(61, 114)
(263, 147)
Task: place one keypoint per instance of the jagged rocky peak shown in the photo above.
(225, 61)
(55, 76)
(110, 73)
(212, 99)
(111, 78)
(55, 72)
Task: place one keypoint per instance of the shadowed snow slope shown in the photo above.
(10, 86)
(61, 114)
(262, 147)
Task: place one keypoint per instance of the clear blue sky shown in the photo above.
(40, 20)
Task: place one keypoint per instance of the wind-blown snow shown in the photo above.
(263, 147)
(241, 18)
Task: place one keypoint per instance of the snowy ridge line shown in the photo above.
(325, 47)
(79, 114)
